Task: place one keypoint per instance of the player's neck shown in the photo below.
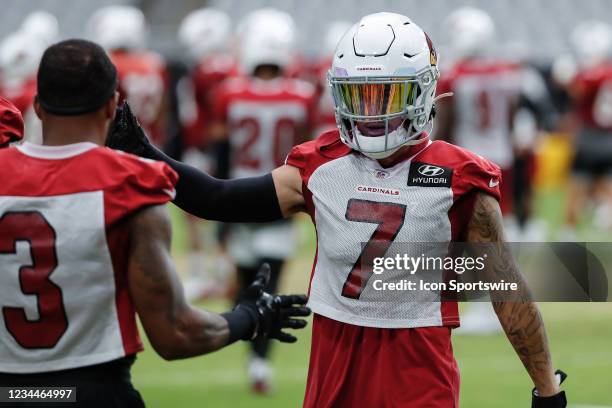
(65, 136)
(63, 130)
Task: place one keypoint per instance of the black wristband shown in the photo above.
(242, 322)
(554, 401)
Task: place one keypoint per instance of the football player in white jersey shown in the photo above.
(85, 245)
(261, 115)
(376, 180)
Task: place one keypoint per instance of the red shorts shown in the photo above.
(354, 366)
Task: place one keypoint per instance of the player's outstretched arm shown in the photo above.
(254, 199)
(178, 330)
(520, 317)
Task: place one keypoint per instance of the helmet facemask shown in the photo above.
(383, 99)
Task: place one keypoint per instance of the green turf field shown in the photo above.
(491, 374)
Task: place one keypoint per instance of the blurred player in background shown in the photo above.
(262, 116)
(143, 79)
(591, 92)
(84, 245)
(206, 35)
(20, 53)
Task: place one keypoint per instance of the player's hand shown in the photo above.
(553, 401)
(274, 312)
(125, 133)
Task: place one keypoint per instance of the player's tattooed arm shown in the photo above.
(518, 314)
(174, 328)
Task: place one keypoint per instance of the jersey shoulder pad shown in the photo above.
(470, 170)
(137, 182)
(310, 155)
(11, 123)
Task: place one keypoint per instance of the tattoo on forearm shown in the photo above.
(519, 315)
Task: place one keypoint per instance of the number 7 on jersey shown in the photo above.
(390, 218)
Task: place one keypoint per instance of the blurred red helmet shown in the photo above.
(11, 123)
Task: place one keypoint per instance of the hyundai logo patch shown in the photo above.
(429, 175)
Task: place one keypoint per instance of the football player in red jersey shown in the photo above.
(378, 179)
(11, 123)
(205, 34)
(84, 246)
(262, 116)
(143, 78)
(591, 91)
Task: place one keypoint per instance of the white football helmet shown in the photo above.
(592, 41)
(118, 27)
(41, 25)
(205, 31)
(384, 68)
(470, 32)
(20, 55)
(266, 36)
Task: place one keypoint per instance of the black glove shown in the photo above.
(273, 313)
(125, 133)
(554, 401)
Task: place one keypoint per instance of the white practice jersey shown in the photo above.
(362, 210)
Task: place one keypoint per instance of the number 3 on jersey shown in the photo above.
(390, 218)
(52, 323)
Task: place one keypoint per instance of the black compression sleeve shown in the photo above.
(250, 199)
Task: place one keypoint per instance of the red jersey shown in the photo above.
(64, 245)
(265, 118)
(143, 81)
(592, 90)
(11, 123)
(195, 96)
(360, 210)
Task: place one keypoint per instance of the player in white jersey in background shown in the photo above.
(261, 115)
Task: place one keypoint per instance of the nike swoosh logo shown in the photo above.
(493, 183)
